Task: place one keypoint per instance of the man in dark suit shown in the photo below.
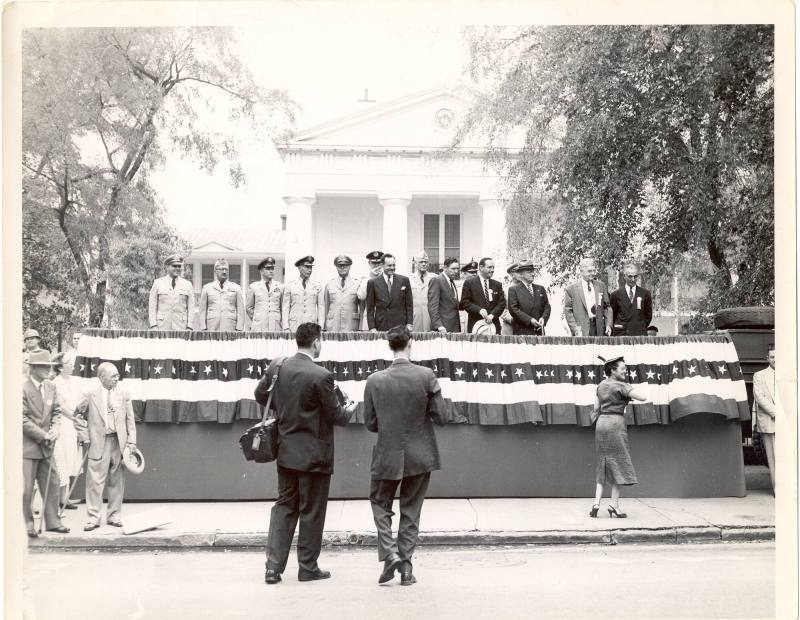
(632, 306)
(400, 404)
(482, 297)
(307, 409)
(443, 299)
(40, 415)
(390, 301)
(527, 303)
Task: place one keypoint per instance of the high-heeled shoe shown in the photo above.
(593, 512)
(612, 512)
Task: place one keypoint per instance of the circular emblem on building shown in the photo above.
(444, 118)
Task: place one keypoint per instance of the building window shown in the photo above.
(252, 274)
(441, 237)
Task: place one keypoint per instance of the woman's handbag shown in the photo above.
(260, 442)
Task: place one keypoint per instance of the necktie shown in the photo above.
(390, 282)
(455, 292)
(486, 289)
(267, 283)
(173, 282)
(304, 283)
(110, 423)
(342, 282)
(422, 278)
(589, 286)
(530, 289)
(41, 390)
(630, 293)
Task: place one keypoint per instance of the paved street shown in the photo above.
(674, 581)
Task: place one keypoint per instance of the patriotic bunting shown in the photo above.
(197, 377)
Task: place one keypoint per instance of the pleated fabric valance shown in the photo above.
(182, 377)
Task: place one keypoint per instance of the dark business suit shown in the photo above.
(387, 309)
(473, 300)
(523, 307)
(39, 411)
(443, 305)
(306, 409)
(400, 404)
(631, 318)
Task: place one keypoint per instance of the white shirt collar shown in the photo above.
(38, 384)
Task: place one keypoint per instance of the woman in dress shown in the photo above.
(67, 451)
(611, 434)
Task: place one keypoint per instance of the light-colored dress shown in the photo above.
(613, 453)
(67, 451)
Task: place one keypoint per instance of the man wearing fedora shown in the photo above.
(375, 266)
(303, 300)
(483, 298)
(401, 404)
(263, 305)
(172, 298)
(111, 428)
(221, 306)
(527, 303)
(32, 341)
(341, 299)
(40, 411)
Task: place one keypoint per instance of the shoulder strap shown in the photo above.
(271, 389)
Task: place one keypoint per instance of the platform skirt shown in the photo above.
(612, 451)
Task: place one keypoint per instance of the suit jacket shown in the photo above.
(91, 407)
(473, 299)
(38, 416)
(306, 409)
(221, 309)
(576, 312)
(387, 309)
(419, 289)
(764, 400)
(400, 404)
(631, 318)
(443, 305)
(171, 308)
(523, 307)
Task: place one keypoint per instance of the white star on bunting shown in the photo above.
(538, 374)
(92, 367)
(692, 369)
(83, 367)
(553, 373)
(360, 371)
(345, 372)
(225, 372)
(250, 369)
(590, 374)
(674, 370)
(723, 369)
(207, 370)
(577, 374)
(474, 372)
(193, 371)
(127, 367)
(489, 374)
(158, 369)
(518, 372)
(503, 372)
(569, 374)
(632, 373)
(650, 374)
(174, 370)
(459, 372)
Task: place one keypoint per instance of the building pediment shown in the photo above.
(425, 120)
(213, 246)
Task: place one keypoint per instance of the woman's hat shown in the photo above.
(133, 459)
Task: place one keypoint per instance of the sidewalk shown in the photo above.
(445, 522)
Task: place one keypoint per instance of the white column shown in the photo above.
(299, 230)
(395, 228)
(493, 239)
(244, 276)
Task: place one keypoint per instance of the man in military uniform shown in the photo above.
(420, 280)
(264, 298)
(341, 299)
(303, 299)
(375, 262)
(221, 303)
(172, 299)
(469, 269)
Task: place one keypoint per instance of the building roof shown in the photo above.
(236, 240)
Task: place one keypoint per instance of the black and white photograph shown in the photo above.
(385, 310)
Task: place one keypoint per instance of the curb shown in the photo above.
(253, 540)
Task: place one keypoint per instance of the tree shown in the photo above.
(100, 109)
(615, 116)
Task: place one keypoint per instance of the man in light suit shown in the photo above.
(341, 299)
(307, 409)
(528, 303)
(263, 305)
(482, 297)
(764, 410)
(420, 281)
(303, 299)
(631, 305)
(40, 411)
(221, 306)
(587, 307)
(443, 299)
(171, 299)
(111, 427)
(390, 301)
(400, 404)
